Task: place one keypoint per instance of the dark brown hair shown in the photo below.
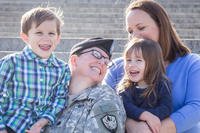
(154, 65)
(39, 15)
(169, 40)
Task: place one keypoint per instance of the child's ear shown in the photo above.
(58, 39)
(24, 37)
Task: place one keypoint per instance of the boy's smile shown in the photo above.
(45, 47)
(43, 39)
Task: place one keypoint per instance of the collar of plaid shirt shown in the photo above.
(32, 56)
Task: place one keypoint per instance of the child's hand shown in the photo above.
(152, 121)
(36, 128)
(3, 131)
(133, 126)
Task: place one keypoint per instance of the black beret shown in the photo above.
(102, 43)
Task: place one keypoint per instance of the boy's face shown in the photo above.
(42, 39)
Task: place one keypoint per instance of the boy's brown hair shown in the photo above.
(40, 14)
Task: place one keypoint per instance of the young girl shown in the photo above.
(145, 90)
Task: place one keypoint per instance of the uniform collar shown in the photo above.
(87, 94)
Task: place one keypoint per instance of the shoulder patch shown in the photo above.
(110, 123)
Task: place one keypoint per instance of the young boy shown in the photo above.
(33, 82)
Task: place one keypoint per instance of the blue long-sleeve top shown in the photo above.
(184, 73)
(135, 104)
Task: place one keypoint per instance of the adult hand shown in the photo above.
(168, 126)
(133, 126)
(153, 121)
(36, 128)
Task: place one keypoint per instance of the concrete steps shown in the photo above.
(86, 18)
(91, 18)
(11, 45)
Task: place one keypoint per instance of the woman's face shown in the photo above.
(140, 24)
(91, 67)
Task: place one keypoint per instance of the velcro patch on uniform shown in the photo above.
(110, 122)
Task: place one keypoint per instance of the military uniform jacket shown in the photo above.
(95, 110)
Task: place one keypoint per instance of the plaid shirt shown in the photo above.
(30, 89)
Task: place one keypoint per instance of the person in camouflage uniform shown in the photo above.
(91, 107)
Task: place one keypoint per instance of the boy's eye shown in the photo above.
(38, 33)
(51, 33)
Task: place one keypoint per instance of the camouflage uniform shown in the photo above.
(96, 110)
